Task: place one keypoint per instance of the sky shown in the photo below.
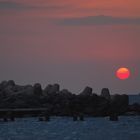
(75, 43)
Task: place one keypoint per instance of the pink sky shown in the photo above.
(46, 41)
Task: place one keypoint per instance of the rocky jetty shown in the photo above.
(105, 93)
(63, 102)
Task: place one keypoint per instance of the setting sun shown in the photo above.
(123, 73)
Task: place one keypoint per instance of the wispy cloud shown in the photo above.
(4, 5)
(7, 5)
(97, 20)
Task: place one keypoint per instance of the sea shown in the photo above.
(134, 99)
(64, 128)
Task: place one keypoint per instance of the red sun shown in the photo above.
(123, 73)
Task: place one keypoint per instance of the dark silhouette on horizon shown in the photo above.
(63, 102)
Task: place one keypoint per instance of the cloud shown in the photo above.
(97, 20)
(7, 5)
(4, 5)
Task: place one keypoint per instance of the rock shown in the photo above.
(18, 88)
(7, 88)
(105, 93)
(55, 88)
(26, 90)
(8, 91)
(103, 107)
(3, 84)
(87, 91)
(29, 90)
(48, 89)
(11, 83)
(52, 89)
(37, 89)
(63, 102)
(135, 108)
(65, 92)
(121, 99)
(119, 104)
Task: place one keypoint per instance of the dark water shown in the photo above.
(134, 99)
(63, 128)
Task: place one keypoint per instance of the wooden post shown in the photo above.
(5, 119)
(47, 118)
(113, 117)
(40, 119)
(81, 117)
(12, 118)
(75, 118)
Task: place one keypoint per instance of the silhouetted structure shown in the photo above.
(75, 118)
(113, 117)
(105, 93)
(81, 117)
(40, 119)
(5, 119)
(31, 100)
(37, 89)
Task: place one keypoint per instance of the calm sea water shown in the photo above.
(134, 99)
(63, 128)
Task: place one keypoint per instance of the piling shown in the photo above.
(113, 117)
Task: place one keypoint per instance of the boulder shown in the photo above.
(105, 93)
(26, 90)
(11, 83)
(7, 87)
(48, 89)
(52, 89)
(87, 91)
(134, 108)
(55, 89)
(8, 91)
(3, 84)
(119, 103)
(37, 89)
(65, 92)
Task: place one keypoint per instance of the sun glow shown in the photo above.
(123, 73)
